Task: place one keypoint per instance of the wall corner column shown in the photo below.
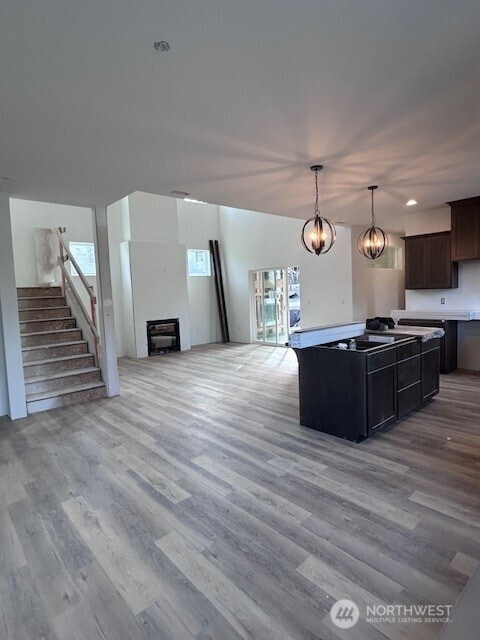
(10, 317)
(105, 299)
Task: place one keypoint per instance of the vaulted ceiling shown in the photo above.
(250, 94)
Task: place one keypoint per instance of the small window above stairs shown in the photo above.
(58, 368)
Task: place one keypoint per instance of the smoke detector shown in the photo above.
(161, 45)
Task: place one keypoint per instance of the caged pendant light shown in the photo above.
(318, 233)
(373, 242)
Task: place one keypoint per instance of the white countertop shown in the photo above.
(436, 314)
(425, 333)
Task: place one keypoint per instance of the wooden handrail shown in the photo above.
(69, 256)
(89, 321)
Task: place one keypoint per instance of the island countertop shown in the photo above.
(424, 333)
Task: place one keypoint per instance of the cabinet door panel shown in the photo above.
(409, 371)
(465, 231)
(382, 397)
(430, 373)
(428, 263)
(409, 399)
(439, 264)
(415, 263)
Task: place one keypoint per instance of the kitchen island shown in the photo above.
(355, 386)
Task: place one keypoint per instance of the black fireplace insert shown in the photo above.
(163, 336)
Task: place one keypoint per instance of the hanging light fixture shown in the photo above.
(373, 242)
(318, 233)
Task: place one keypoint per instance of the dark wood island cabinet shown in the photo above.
(353, 394)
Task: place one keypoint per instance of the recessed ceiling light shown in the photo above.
(411, 203)
(161, 45)
(179, 194)
(195, 201)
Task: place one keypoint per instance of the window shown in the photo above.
(391, 259)
(84, 254)
(199, 262)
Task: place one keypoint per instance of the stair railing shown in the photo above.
(90, 319)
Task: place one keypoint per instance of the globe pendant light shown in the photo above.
(373, 242)
(318, 233)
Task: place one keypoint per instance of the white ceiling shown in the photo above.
(251, 93)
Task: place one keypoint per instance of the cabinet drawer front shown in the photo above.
(408, 350)
(382, 397)
(409, 399)
(409, 371)
(434, 343)
(381, 359)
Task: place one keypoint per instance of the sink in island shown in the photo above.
(353, 383)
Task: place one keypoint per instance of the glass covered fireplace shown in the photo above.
(163, 336)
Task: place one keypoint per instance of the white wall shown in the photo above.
(3, 373)
(153, 218)
(159, 290)
(26, 215)
(252, 240)
(115, 237)
(199, 223)
(465, 297)
(376, 291)
(435, 221)
(12, 350)
(153, 269)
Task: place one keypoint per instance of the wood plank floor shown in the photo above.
(195, 507)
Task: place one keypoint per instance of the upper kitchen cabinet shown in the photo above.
(465, 229)
(428, 262)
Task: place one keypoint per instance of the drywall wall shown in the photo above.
(197, 224)
(148, 218)
(376, 291)
(26, 215)
(434, 221)
(158, 290)
(252, 240)
(3, 372)
(115, 237)
(153, 218)
(465, 297)
(12, 349)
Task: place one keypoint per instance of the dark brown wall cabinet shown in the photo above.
(428, 262)
(465, 229)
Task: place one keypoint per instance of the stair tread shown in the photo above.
(63, 306)
(60, 374)
(53, 289)
(52, 345)
(50, 331)
(40, 297)
(57, 359)
(46, 319)
(54, 393)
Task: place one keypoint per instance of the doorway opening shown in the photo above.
(276, 304)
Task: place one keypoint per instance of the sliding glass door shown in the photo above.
(274, 312)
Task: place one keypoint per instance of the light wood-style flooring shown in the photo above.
(194, 506)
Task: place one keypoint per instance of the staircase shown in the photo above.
(58, 368)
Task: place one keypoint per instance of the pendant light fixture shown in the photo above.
(318, 233)
(373, 242)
